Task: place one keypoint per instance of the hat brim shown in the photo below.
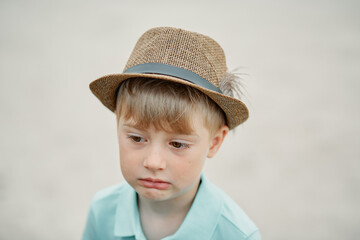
(105, 89)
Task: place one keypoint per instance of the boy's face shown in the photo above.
(160, 165)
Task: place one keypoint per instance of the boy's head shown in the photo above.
(174, 105)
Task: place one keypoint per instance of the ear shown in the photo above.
(217, 140)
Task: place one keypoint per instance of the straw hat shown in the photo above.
(180, 56)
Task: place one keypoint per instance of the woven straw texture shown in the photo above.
(192, 51)
(177, 47)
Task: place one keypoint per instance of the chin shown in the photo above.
(153, 194)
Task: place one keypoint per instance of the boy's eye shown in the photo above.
(136, 138)
(179, 145)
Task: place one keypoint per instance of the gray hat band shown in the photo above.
(169, 70)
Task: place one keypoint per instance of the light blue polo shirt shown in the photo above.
(213, 215)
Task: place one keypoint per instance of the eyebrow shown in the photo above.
(133, 126)
(192, 134)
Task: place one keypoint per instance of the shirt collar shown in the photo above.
(200, 221)
(203, 216)
(127, 219)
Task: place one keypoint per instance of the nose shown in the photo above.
(155, 159)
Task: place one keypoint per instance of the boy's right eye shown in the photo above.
(136, 138)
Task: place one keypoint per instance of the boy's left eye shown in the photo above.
(179, 145)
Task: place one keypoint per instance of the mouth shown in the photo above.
(154, 183)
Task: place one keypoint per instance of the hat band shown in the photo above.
(169, 70)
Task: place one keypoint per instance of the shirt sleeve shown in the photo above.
(254, 236)
(90, 231)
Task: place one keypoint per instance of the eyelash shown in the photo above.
(133, 137)
(183, 145)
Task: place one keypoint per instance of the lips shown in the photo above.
(154, 183)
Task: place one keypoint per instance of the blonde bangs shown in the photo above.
(165, 105)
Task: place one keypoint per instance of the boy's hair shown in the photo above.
(166, 106)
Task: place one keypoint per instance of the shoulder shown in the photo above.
(233, 222)
(109, 192)
(101, 217)
(106, 200)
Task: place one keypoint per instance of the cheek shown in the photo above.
(127, 162)
(189, 168)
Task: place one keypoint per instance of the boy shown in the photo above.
(174, 106)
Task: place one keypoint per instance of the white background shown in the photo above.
(293, 166)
